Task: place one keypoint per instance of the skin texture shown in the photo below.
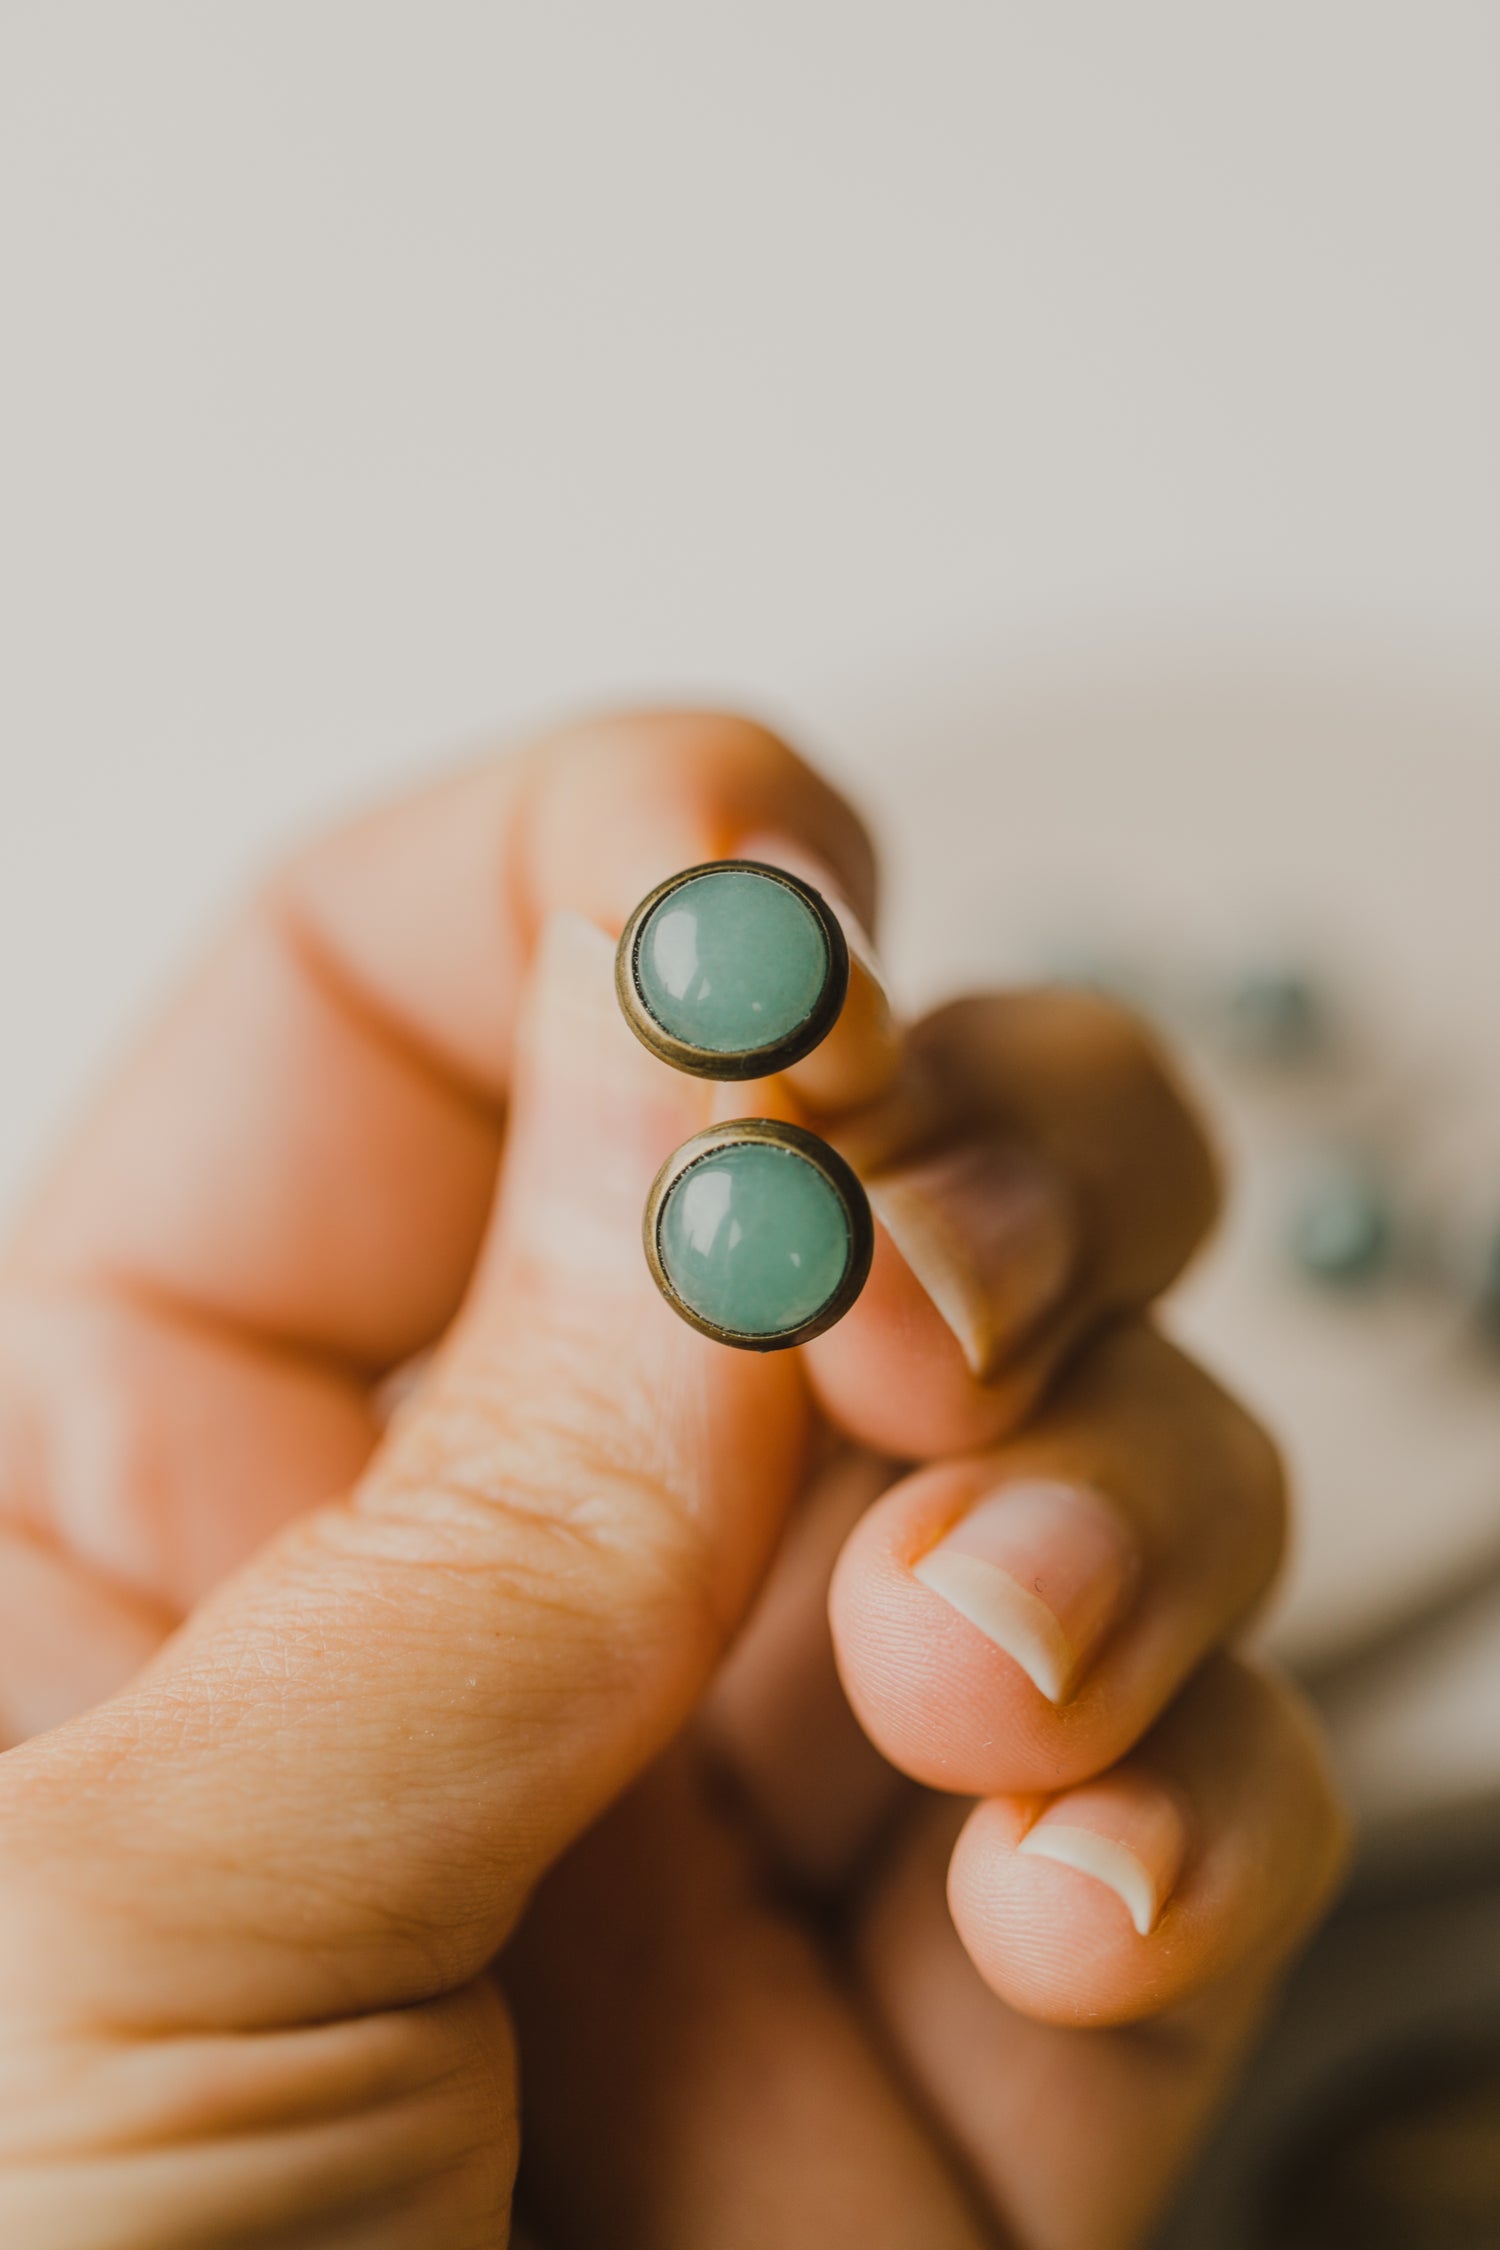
(415, 1644)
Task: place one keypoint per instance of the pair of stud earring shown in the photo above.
(757, 1233)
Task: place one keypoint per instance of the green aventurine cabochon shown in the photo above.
(737, 966)
(757, 1240)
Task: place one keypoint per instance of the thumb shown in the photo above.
(335, 1787)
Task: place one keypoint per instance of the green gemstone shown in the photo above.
(754, 1239)
(732, 961)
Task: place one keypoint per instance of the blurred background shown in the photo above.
(1078, 426)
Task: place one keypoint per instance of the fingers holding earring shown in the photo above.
(1035, 1171)
(756, 1232)
(1032, 1166)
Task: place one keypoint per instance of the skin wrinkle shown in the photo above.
(591, 1534)
(121, 1288)
(182, 2085)
(155, 1302)
(618, 1489)
(332, 976)
(190, 1694)
(450, 2131)
(258, 1908)
(472, 1382)
(128, 1277)
(37, 1534)
(110, 1492)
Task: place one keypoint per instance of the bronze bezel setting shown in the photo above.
(750, 1062)
(834, 1170)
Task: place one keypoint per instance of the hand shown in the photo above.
(251, 1906)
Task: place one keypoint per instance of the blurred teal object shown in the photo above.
(1487, 1304)
(1343, 1229)
(1276, 1015)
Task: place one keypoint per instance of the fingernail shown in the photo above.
(991, 1236)
(1044, 1570)
(863, 1054)
(1129, 1833)
(788, 852)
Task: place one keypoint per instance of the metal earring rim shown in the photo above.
(840, 1176)
(749, 1062)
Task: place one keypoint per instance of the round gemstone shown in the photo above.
(732, 961)
(754, 1239)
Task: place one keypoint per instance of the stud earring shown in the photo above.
(757, 1233)
(732, 970)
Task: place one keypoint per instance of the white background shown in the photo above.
(1077, 422)
(372, 376)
